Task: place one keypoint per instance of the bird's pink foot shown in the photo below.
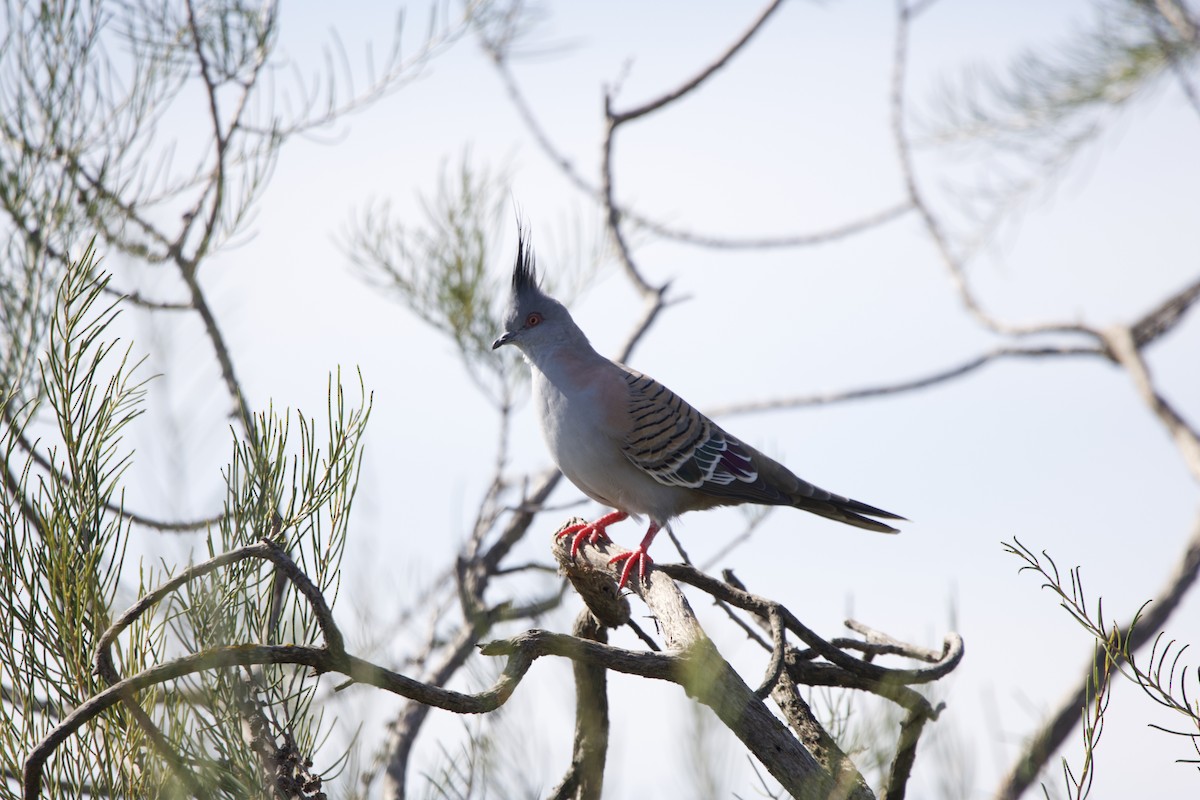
(639, 557)
(592, 532)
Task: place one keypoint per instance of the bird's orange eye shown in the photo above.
(533, 319)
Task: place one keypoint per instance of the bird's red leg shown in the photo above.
(592, 531)
(641, 556)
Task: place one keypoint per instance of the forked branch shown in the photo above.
(823, 767)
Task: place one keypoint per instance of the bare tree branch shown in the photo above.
(933, 226)
(952, 649)
(1162, 319)
(906, 754)
(612, 212)
(700, 77)
(266, 550)
(140, 519)
(321, 660)
(776, 242)
(785, 691)
(640, 220)
(899, 387)
(136, 298)
(585, 777)
(695, 664)
(1124, 350)
(473, 576)
(788, 666)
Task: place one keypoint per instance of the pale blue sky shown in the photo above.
(791, 137)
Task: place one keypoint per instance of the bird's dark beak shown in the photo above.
(504, 339)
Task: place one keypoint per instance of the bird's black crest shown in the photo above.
(524, 272)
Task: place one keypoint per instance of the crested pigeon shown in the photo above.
(632, 444)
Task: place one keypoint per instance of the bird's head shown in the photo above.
(534, 319)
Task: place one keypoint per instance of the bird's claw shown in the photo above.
(640, 557)
(589, 531)
(593, 532)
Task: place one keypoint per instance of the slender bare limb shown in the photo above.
(785, 691)
(584, 779)
(877, 643)
(774, 242)
(140, 519)
(699, 78)
(321, 660)
(757, 518)
(900, 387)
(611, 212)
(779, 647)
(1123, 348)
(242, 410)
(655, 303)
(520, 521)
(906, 755)
(1179, 19)
(1165, 316)
(221, 136)
(933, 227)
(189, 526)
(705, 675)
(952, 650)
(659, 228)
(266, 550)
(849, 782)
(136, 298)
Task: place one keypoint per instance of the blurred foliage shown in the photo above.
(1163, 676)
(64, 571)
(63, 553)
(1034, 117)
(1059, 95)
(440, 268)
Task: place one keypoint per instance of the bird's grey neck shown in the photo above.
(571, 348)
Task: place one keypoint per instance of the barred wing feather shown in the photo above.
(678, 446)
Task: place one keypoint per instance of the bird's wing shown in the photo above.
(677, 445)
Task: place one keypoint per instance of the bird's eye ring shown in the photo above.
(533, 319)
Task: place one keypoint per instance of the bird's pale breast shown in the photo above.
(581, 441)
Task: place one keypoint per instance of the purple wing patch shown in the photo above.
(679, 446)
(736, 461)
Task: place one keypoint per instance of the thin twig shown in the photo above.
(585, 777)
(952, 651)
(135, 297)
(116, 508)
(699, 78)
(1165, 316)
(900, 387)
(266, 550)
(1047, 740)
(321, 660)
(879, 643)
(778, 651)
(612, 213)
(896, 787)
(1124, 350)
(662, 229)
(933, 226)
(778, 241)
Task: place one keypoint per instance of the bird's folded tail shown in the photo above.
(843, 509)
